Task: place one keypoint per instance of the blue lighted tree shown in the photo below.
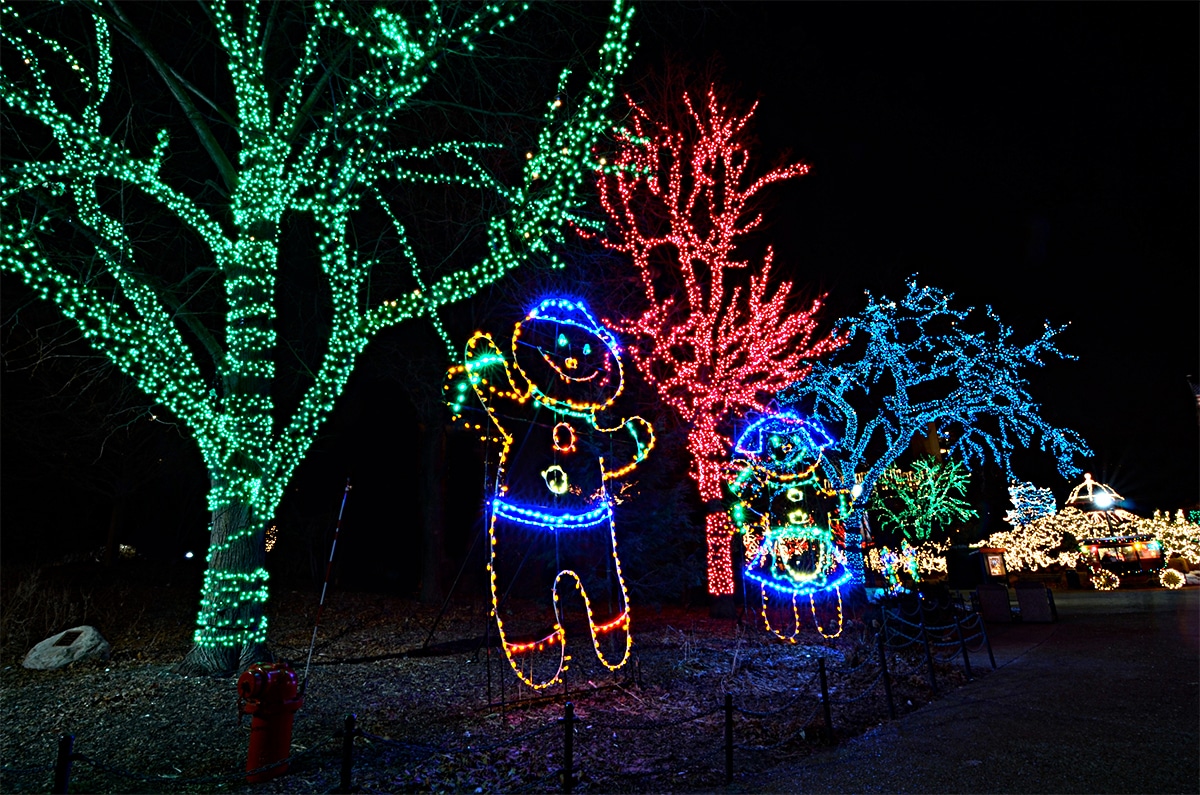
(920, 361)
(170, 171)
(1030, 503)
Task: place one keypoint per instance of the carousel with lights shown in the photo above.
(789, 523)
(1113, 548)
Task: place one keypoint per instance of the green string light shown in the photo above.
(920, 501)
(340, 163)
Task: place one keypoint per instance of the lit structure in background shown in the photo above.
(1110, 539)
(918, 361)
(1030, 503)
(915, 506)
(682, 199)
(916, 503)
(788, 521)
(1091, 526)
(889, 565)
(1177, 536)
(1100, 501)
(1171, 579)
(311, 140)
(550, 497)
(1039, 544)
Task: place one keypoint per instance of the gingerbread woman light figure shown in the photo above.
(550, 517)
(789, 522)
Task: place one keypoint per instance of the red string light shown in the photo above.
(712, 350)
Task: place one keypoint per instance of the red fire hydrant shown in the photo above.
(268, 694)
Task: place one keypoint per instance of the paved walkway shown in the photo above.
(1106, 700)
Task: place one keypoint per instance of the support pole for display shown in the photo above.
(825, 702)
(925, 637)
(962, 642)
(986, 642)
(887, 678)
(568, 771)
(348, 733)
(328, 569)
(62, 764)
(728, 738)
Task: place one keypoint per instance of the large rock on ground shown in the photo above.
(77, 643)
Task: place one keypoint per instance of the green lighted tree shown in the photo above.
(315, 121)
(918, 503)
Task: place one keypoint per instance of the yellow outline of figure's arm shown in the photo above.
(482, 364)
(642, 448)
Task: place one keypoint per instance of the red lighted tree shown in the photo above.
(716, 338)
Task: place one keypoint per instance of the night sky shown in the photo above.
(1041, 158)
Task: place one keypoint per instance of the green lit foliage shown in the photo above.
(922, 501)
(309, 126)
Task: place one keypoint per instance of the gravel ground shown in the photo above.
(426, 718)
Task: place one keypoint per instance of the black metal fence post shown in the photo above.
(348, 733)
(887, 678)
(962, 643)
(62, 764)
(568, 772)
(487, 655)
(728, 738)
(986, 642)
(928, 650)
(825, 701)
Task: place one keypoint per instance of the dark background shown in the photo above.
(1041, 158)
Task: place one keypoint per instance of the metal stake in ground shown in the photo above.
(829, 737)
(328, 568)
(62, 764)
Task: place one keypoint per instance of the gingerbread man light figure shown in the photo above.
(550, 516)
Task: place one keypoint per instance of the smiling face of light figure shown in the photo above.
(566, 359)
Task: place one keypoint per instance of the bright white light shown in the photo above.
(187, 555)
(856, 491)
(1102, 500)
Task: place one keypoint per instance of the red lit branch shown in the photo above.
(682, 200)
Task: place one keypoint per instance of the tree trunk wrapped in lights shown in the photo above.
(681, 199)
(320, 116)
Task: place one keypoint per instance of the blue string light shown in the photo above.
(919, 361)
(779, 586)
(1030, 503)
(552, 521)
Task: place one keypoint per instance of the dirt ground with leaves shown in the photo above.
(435, 710)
